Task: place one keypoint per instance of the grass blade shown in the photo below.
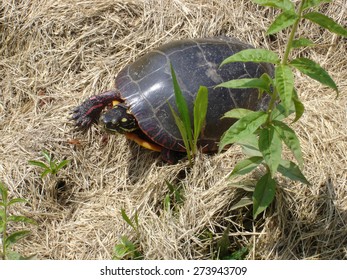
(200, 111)
(38, 163)
(182, 106)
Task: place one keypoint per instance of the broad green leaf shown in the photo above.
(17, 200)
(313, 70)
(15, 236)
(245, 166)
(237, 113)
(313, 3)
(243, 128)
(23, 219)
(270, 146)
(38, 163)
(2, 204)
(250, 146)
(279, 112)
(3, 192)
(254, 55)
(299, 107)
(245, 201)
(327, 23)
(2, 226)
(289, 137)
(246, 83)
(200, 110)
(302, 42)
(285, 85)
(182, 106)
(285, 5)
(127, 219)
(292, 171)
(264, 194)
(282, 21)
(2, 214)
(62, 164)
(183, 132)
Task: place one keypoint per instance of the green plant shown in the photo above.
(127, 249)
(174, 198)
(5, 218)
(190, 137)
(53, 166)
(262, 134)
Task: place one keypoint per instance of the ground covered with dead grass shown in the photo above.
(56, 53)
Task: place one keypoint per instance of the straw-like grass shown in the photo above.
(54, 54)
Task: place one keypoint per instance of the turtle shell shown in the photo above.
(146, 87)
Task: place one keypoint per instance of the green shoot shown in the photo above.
(5, 218)
(182, 118)
(52, 167)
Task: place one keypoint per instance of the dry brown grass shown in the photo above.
(55, 53)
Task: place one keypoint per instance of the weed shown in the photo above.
(7, 239)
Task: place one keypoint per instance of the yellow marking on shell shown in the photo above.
(143, 143)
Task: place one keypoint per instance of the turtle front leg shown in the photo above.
(89, 111)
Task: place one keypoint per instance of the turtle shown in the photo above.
(139, 104)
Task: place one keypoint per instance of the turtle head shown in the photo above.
(118, 119)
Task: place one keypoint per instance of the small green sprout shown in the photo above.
(7, 240)
(53, 166)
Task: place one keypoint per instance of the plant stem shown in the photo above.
(4, 232)
(292, 34)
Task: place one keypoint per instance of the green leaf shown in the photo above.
(245, 166)
(243, 202)
(299, 107)
(285, 85)
(182, 106)
(3, 192)
(313, 3)
(127, 219)
(47, 156)
(270, 146)
(313, 70)
(302, 42)
(223, 243)
(62, 164)
(17, 200)
(2, 215)
(327, 23)
(183, 132)
(264, 194)
(237, 113)
(38, 163)
(289, 137)
(23, 219)
(253, 55)
(282, 21)
(246, 83)
(15, 236)
(200, 110)
(290, 170)
(243, 128)
(250, 145)
(285, 5)
(46, 172)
